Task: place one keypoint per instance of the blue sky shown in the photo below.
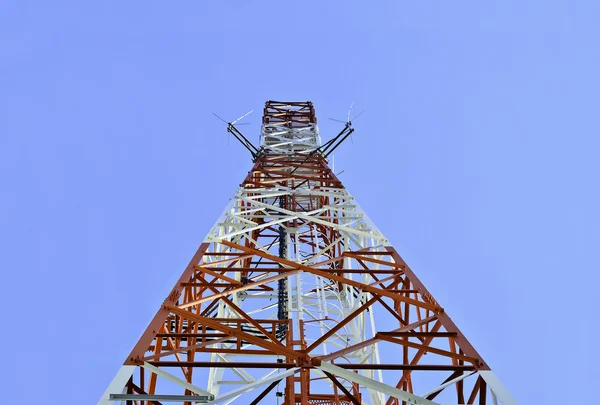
(476, 156)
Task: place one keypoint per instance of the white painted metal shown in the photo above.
(233, 398)
(280, 139)
(497, 387)
(447, 384)
(239, 220)
(263, 381)
(494, 398)
(375, 385)
(117, 384)
(176, 380)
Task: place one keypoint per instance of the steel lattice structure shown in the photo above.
(295, 297)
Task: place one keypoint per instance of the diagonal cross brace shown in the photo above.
(176, 380)
(237, 392)
(325, 274)
(375, 385)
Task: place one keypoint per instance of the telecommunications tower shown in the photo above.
(295, 297)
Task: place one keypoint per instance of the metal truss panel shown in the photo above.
(296, 293)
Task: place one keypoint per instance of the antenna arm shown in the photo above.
(348, 133)
(343, 133)
(243, 140)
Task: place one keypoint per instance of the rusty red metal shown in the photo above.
(295, 114)
(187, 325)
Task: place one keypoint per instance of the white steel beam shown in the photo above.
(257, 383)
(375, 385)
(497, 387)
(117, 384)
(177, 380)
(446, 384)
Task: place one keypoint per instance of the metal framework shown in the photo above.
(295, 297)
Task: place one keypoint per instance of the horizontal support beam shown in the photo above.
(419, 334)
(223, 364)
(224, 351)
(191, 335)
(283, 270)
(414, 367)
(223, 254)
(209, 284)
(194, 348)
(361, 252)
(364, 366)
(237, 321)
(161, 398)
(426, 348)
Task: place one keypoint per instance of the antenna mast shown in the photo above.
(296, 296)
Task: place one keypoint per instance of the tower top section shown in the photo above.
(289, 127)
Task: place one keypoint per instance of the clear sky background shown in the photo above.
(477, 156)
